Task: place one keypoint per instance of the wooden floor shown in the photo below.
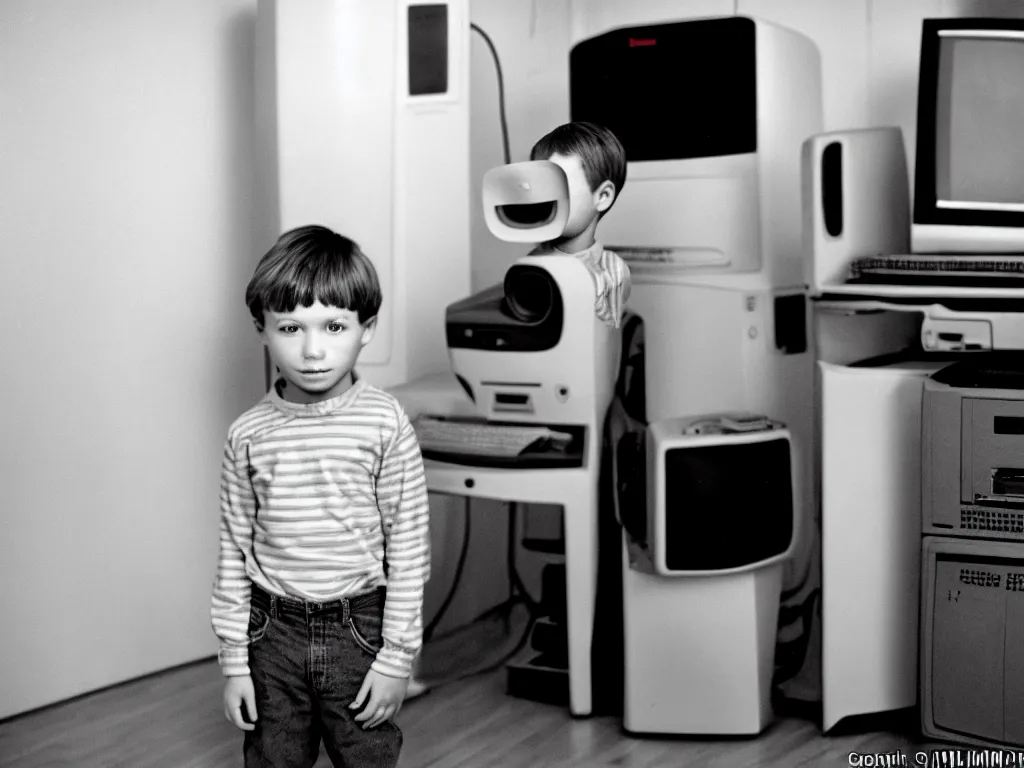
(174, 720)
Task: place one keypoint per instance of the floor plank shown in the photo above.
(174, 720)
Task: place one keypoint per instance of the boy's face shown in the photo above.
(585, 205)
(315, 348)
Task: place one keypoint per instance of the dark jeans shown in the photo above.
(308, 661)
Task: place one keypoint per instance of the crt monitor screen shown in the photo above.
(670, 91)
(970, 159)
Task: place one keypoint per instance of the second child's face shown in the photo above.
(315, 348)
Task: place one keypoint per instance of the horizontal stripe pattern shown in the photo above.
(318, 502)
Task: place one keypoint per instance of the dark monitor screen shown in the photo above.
(670, 91)
(727, 506)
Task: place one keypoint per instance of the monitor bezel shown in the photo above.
(927, 210)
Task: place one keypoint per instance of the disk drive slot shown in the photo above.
(1008, 481)
(515, 402)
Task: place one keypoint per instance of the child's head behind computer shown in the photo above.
(314, 298)
(594, 162)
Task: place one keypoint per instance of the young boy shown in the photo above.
(324, 542)
(594, 162)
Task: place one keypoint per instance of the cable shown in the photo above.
(495, 610)
(513, 571)
(510, 552)
(518, 595)
(501, 91)
(532, 606)
(428, 633)
(504, 659)
(517, 591)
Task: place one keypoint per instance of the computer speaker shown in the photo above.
(856, 201)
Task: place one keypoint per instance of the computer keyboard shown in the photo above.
(645, 255)
(482, 438)
(940, 269)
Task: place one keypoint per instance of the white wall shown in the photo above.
(126, 140)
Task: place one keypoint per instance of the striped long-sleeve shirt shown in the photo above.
(321, 501)
(612, 282)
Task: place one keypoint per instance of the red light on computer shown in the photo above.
(639, 42)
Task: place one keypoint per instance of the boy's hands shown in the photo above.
(386, 695)
(239, 693)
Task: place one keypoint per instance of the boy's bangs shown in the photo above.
(324, 280)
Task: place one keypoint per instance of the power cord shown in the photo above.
(501, 90)
(428, 632)
(501, 609)
(504, 659)
(518, 594)
(513, 570)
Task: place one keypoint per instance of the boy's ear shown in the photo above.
(604, 196)
(260, 328)
(369, 329)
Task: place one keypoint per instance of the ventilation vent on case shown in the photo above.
(991, 520)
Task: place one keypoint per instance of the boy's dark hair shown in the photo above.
(601, 153)
(309, 264)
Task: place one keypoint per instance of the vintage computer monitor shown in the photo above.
(711, 113)
(969, 177)
(964, 235)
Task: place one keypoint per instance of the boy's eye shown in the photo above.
(289, 328)
(335, 327)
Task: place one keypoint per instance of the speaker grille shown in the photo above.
(993, 520)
